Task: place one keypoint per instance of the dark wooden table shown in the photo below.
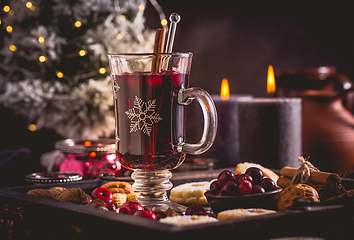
(24, 216)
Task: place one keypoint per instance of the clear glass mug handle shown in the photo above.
(185, 97)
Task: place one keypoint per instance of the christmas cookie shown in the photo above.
(238, 213)
(187, 220)
(190, 193)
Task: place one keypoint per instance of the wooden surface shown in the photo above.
(43, 218)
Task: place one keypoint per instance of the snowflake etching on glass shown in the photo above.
(142, 116)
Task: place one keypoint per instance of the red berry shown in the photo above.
(243, 177)
(97, 203)
(154, 80)
(214, 187)
(201, 213)
(145, 214)
(194, 208)
(257, 189)
(111, 207)
(268, 184)
(230, 188)
(245, 187)
(224, 176)
(256, 174)
(130, 207)
(102, 193)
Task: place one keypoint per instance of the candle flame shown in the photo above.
(225, 90)
(270, 80)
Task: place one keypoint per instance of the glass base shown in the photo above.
(152, 187)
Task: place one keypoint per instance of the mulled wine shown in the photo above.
(149, 120)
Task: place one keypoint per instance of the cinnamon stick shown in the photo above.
(159, 45)
(315, 176)
(283, 181)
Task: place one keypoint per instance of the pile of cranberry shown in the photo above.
(102, 197)
(250, 182)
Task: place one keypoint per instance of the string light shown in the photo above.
(78, 24)
(32, 127)
(102, 70)
(9, 29)
(122, 17)
(92, 154)
(42, 58)
(12, 48)
(82, 53)
(33, 8)
(164, 22)
(59, 74)
(0, 21)
(6, 8)
(11, 12)
(141, 7)
(41, 39)
(29, 4)
(119, 36)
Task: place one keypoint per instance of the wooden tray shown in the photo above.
(50, 219)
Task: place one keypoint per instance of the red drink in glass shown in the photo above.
(147, 103)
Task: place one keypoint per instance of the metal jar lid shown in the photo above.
(105, 145)
(53, 177)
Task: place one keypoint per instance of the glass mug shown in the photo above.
(150, 93)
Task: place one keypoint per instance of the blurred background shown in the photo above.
(234, 40)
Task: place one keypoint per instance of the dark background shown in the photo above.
(236, 40)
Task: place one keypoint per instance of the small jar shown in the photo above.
(90, 158)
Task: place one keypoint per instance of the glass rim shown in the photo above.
(173, 54)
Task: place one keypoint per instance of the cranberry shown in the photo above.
(102, 193)
(224, 176)
(214, 187)
(130, 207)
(194, 208)
(201, 213)
(256, 174)
(245, 187)
(243, 177)
(154, 80)
(257, 189)
(145, 214)
(221, 193)
(97, 203)
(111, 207)
(268, 184)
(230, 188)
